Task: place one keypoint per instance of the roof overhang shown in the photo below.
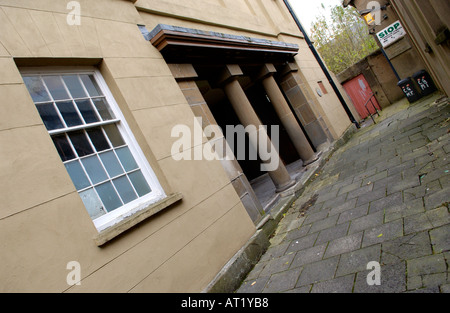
(179, 44)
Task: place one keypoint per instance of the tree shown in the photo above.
(343, 39)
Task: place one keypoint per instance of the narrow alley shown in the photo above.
(382, 197)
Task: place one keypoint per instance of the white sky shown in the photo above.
(308, 10)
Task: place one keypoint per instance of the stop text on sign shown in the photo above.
(391, 34)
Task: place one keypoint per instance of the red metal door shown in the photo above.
(362, 96)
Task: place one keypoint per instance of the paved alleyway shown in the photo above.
(381, 197)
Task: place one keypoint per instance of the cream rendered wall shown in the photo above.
(246, 15)
(43, 223)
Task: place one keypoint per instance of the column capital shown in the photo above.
(229, 72)
(289, 68)
(183, 71)
(267, 70)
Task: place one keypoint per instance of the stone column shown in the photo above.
(186, 76)
(248, 117)
(286, 115)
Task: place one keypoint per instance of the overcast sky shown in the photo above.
(307, 10)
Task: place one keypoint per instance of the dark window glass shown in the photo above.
(114, 135)
(87, 111)
(69, 113)
(81, 143)
(98, 139)
(103, 109)
(64, 149)
(49, 116)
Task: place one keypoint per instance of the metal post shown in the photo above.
(392, 65)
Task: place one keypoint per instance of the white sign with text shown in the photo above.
(391, 34)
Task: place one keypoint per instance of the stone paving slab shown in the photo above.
(382, 197)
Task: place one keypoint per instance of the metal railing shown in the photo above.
(374, 106)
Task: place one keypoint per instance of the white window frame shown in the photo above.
(157, 194)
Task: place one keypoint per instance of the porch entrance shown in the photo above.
(231, 80)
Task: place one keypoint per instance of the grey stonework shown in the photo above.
(384, 197)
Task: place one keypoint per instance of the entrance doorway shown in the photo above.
(268, 116)
(224, 115)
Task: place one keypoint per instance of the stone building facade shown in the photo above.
(91, 92)
(426, 45)
(428, 23)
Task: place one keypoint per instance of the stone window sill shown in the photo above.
(112, 232)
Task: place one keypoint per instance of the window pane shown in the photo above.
(125, 189)
(111, 164)
(94, 169)
(139, 183)
(64, 149)
(109, 196)
(114, 135)
(74, 86)
(92, 203)
(56, 87)
(127, 159)
(103, 109)
(81, 143)
(36, 89)
(49, 116)
(87, 111)
(77, 174)
(91, 85)
(98, 139)
(69, 113)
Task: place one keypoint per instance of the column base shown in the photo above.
(285, 187)
(315, 158)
